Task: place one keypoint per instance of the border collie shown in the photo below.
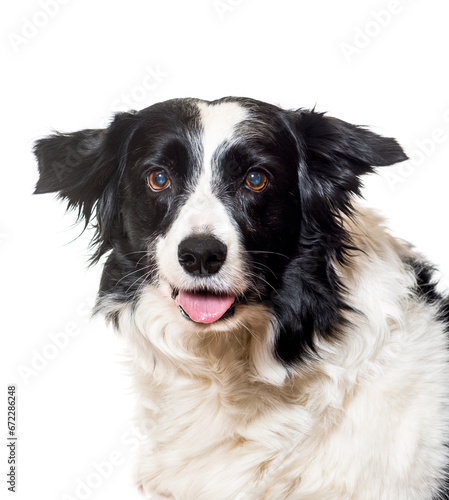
(283, 344)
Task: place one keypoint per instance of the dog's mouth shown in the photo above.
(204, 306)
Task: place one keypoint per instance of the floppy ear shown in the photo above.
(85, 169)
(333, 155)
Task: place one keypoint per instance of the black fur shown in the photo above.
(444, 493)
(332, 155)
(292, 233)
(426, 288)
(86, 169)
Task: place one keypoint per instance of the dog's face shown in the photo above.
(203, 198)
(220, 207)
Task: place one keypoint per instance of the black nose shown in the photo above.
(201, 255)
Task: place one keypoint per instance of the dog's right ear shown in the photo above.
(85, 169)
(75, 166)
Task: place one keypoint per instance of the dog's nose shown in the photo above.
(201, 255)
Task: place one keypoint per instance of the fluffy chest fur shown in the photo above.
(283, 344)
(366, 419)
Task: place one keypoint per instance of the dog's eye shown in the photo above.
(158, 180)
(256, 180)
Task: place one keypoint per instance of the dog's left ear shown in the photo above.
(333, 155)
(85, 168)
(336, 153)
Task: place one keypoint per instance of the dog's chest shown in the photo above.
(239, 440)
(269, 446)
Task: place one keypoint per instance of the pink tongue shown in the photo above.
(204, 307)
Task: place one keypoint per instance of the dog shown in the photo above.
(282, 343)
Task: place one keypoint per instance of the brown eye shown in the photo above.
(256, 180)
(158, 180)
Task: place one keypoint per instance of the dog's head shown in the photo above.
(221, 208)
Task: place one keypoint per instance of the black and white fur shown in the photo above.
(328, 376)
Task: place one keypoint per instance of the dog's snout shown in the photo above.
(201, 255)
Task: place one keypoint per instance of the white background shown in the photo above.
(375, 62)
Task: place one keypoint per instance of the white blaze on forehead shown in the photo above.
(203, 212)
(218, 122)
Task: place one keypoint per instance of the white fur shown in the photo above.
(219, 429)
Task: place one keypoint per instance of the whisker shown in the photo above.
(131, 273)
(143, 278)
(253, 275)
(252, 334)
(266, 252)
(259, 265)
(145, 252)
